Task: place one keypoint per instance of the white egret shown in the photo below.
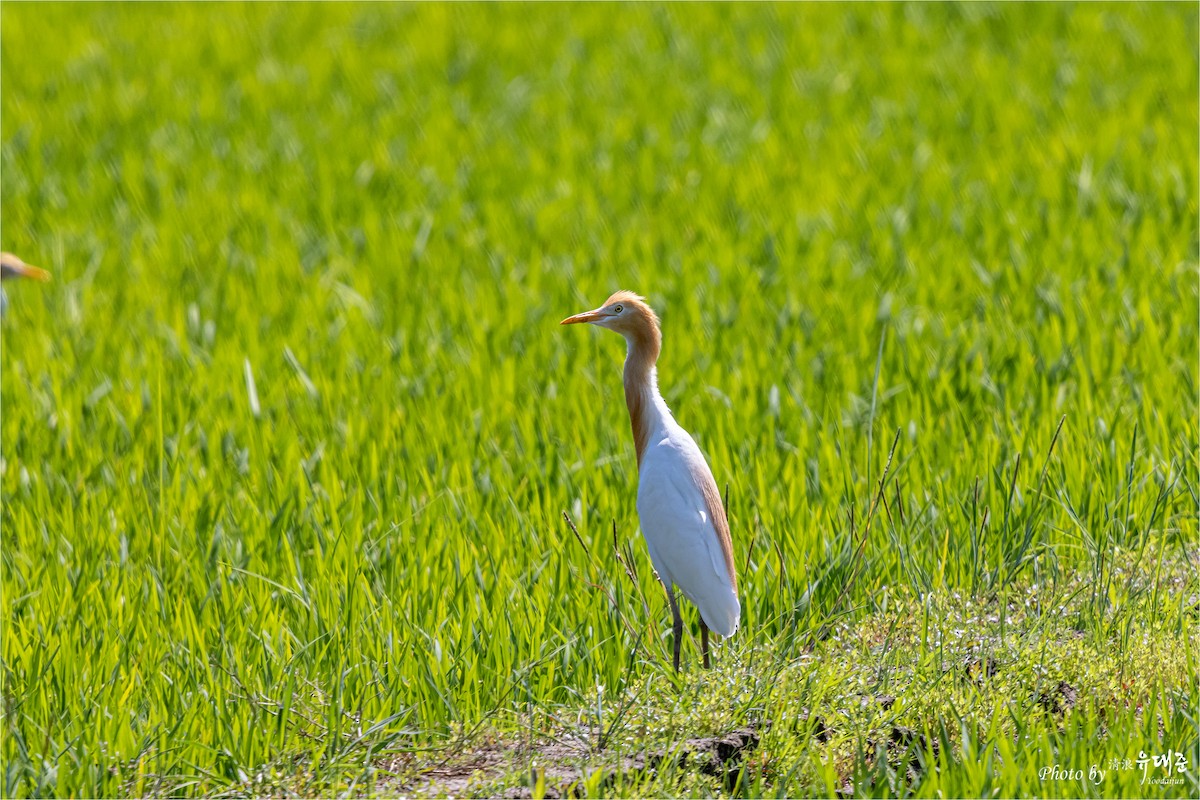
(683, 519)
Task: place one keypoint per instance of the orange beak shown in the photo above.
(586, 316)
(30, 271)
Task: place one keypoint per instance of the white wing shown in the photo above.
(683, 541)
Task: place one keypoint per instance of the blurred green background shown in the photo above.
(287, 440)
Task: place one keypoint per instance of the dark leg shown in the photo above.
(678, 622)
(704, 642)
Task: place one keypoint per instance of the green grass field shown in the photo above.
(288, 440)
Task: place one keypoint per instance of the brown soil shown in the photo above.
(563, 765)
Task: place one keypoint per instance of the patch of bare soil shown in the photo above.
(904, 749)
(561, 766)
(454, 777)
(1060, 699)
(717, 757)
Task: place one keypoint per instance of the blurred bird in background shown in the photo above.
(682, 516)
(13, 267)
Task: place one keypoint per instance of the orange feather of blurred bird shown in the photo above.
(13, 267)
(682, 517)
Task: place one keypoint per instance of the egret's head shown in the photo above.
(628, 315)
(624, 312)
(13, 267)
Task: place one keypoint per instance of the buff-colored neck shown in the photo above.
(641, 385)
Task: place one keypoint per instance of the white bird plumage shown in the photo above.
(683, 519)
(680, 534)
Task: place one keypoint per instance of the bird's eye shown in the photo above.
(618, 309)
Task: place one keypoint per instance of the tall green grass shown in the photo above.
(287, 442)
